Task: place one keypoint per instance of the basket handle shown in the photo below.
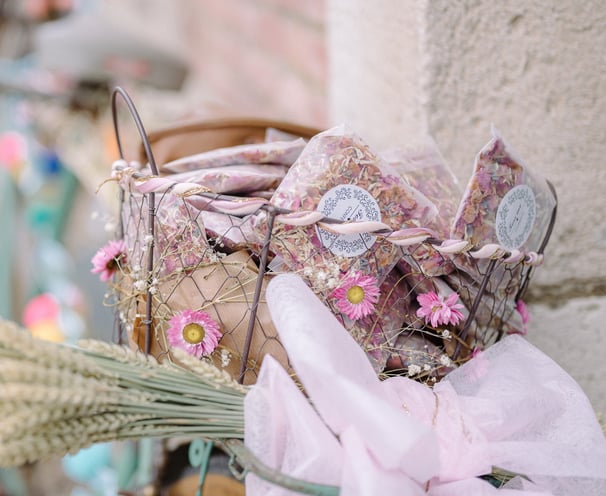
(119, 91)
(243, 461)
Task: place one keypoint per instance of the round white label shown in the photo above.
(348, 203)
(515, 217)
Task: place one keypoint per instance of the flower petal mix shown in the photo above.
(357, 296)
(439, 311)
(109, 259)
(194, 332)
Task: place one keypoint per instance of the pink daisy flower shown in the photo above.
(438, 311)
(195, 332)
(357, 296)
(109, 259)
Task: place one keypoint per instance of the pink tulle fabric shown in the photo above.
(510, 407)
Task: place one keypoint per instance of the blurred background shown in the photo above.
(394, 70)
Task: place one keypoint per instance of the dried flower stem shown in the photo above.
(57, 399)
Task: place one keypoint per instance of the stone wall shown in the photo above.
(400, 69)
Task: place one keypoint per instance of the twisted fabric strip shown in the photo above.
(202, 198)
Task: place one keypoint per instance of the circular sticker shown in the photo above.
(348, 203)
(515, 217)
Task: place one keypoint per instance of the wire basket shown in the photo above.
(189, 249)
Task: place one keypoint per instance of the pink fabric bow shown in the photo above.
(511, 407)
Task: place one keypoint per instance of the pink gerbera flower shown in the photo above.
(109, 259)
(357, 296)
(193, 331)
(438, 311)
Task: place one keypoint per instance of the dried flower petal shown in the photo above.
(194, 332)
(437, 311)
(109, 259)
(357, 296)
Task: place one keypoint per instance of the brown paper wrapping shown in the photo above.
(225, 291)
(188, 138)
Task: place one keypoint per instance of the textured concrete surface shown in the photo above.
(375, 58)
(400, 69)
(573, 335)
(536, 70)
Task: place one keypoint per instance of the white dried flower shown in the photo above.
(225, 357)
(413, 369)
(119, 164)
(140, 285)
(445, 360)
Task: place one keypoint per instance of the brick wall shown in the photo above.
(260, 57)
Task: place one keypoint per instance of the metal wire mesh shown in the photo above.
(186, 252)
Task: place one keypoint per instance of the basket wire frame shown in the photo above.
(482, 292)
